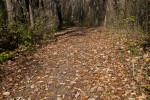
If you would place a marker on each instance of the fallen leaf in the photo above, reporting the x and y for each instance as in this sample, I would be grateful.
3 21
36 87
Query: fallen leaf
78 61
20 88
119 67
145 56
86 97
27 86
100 78
135 44
77 94
133 61
113 96
139 70
91 99
147 60
100 89
84 70
98 74
95 51
6 93
138 97
51 93
122 72
32 86
120 93
43 77
10 79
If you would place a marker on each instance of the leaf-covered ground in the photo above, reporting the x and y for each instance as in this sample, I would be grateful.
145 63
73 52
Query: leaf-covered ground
81 65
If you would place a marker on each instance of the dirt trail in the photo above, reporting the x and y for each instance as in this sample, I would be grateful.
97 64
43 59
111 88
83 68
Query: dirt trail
81 65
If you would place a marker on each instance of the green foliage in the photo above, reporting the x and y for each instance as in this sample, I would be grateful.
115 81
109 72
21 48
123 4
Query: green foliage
129 19
42 31
39 23
139 30
5 56
124 23
133 50
27 44
116 43
15 37
54 30
16 34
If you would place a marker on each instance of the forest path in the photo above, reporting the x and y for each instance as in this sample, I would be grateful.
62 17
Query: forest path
81 65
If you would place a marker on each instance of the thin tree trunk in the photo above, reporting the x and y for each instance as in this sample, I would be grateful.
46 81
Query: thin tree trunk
3 12
31 14
10 12
59 14
58 8
41 4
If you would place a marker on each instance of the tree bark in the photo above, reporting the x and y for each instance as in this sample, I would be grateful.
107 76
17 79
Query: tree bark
31 14
58 8
41 4
10 12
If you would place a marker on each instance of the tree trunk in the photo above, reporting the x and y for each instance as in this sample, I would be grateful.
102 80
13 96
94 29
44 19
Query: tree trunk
58 8
31 14
10 12
41 4
3 12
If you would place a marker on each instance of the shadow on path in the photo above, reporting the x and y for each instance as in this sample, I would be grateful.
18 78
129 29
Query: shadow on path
72 31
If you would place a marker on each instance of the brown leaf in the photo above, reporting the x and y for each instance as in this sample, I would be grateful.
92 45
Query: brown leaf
119 93
147 60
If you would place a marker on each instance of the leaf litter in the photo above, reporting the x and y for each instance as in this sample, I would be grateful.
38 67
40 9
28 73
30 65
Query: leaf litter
75 67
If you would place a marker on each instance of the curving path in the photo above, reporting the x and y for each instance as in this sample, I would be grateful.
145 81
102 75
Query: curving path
81 65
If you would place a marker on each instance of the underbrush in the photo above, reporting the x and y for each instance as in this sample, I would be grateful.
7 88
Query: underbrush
134 50
16 37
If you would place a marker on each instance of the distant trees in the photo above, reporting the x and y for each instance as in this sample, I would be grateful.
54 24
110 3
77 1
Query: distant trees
135 10
65 10
85 12
58 13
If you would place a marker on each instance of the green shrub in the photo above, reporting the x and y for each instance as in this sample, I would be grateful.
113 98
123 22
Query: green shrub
5 56
15 34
